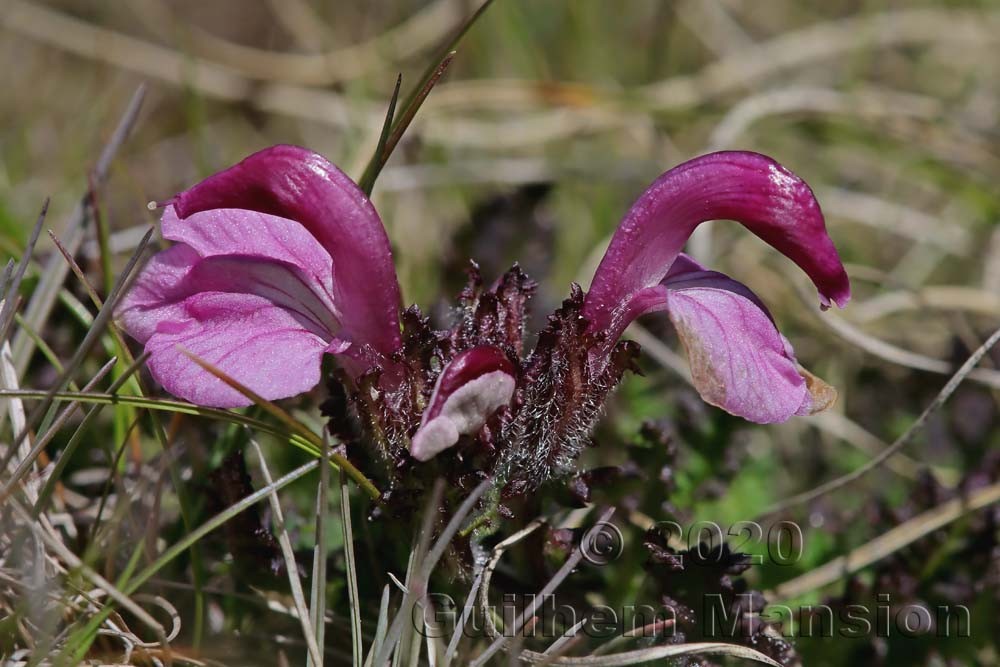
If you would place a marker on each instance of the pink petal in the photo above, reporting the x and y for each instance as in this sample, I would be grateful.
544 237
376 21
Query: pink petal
262 346
151 299
232 250
473 386
297 184
739 360
250 234
747 187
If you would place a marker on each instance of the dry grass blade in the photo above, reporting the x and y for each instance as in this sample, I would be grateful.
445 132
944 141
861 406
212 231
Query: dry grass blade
451 528
901 441
900 220
317 585
746 68
467 610
423 566
75 439
44 532
625 658
648 630
529 611
889 542
642 656
874 102
381 627
398 640
852 433
422 30
42 441
97 327
54 272
291 567
896 355
351 565
11 295
8 271
192 538
491 564
973 300
563 643
13 406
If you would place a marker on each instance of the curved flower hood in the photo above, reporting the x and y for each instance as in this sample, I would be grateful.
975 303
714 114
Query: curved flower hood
277 260
739 360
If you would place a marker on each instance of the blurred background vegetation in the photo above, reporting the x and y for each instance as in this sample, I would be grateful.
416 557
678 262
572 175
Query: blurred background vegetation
552 118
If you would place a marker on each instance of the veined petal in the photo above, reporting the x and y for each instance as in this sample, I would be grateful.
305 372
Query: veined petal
250 234
747 187
233 250
262 346
297 184
473 386
739 360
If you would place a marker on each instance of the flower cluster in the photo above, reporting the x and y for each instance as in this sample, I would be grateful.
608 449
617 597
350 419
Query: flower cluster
281 259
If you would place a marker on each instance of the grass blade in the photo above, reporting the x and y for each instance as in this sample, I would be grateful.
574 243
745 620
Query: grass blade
660 653
291 567
416 98
351 565
54 273
529 611
900 442
297 426
75 439
317 592
367 181
40 443
381 628
79 647
85 346
10 298
887 543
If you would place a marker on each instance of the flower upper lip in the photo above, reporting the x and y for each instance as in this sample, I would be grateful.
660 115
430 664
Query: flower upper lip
747 187
739 360
286 226
298 184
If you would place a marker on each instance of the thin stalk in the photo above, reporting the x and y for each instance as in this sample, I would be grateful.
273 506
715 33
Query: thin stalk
351 565
11 296
291 567
317 592
416 98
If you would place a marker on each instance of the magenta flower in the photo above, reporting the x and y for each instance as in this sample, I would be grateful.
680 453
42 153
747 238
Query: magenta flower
739 361
282 259
276 261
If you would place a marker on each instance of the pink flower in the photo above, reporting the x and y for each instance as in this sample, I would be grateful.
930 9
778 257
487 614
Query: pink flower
739 361
282 259
275 262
